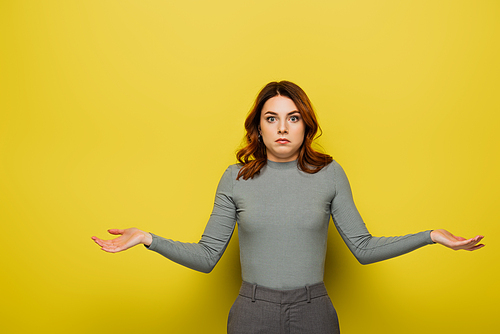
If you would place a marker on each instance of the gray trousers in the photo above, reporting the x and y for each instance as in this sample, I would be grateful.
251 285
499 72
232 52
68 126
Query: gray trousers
306 310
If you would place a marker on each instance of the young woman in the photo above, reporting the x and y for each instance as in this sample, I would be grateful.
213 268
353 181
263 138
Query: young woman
282 194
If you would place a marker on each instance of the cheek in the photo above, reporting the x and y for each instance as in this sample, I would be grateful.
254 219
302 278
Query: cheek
265 130
266 138
301 132
262 127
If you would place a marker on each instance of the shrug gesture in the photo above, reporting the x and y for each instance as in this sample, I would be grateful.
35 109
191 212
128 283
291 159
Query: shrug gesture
131 237
128 238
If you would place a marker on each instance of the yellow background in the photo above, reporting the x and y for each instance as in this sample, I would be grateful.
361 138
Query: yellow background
126 113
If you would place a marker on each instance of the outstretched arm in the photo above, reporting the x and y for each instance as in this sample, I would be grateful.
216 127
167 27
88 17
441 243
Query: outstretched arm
201 256
367 248
128 238
447 239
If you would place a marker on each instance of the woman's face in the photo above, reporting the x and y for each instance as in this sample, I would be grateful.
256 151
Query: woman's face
282 129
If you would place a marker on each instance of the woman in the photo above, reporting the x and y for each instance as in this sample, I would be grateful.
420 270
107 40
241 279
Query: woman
282 195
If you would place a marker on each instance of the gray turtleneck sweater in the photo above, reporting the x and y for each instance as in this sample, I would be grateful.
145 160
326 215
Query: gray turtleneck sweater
283 216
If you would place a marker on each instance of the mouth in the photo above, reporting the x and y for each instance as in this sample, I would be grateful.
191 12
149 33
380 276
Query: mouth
282 141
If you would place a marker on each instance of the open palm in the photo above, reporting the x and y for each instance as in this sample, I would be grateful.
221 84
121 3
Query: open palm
447 239
128 238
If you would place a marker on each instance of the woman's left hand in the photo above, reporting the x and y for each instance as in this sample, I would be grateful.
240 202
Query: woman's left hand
447 239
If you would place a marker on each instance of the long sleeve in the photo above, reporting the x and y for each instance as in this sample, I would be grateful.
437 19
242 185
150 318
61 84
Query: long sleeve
366 248
205 254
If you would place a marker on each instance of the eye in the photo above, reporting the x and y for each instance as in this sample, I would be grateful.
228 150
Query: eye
271 119
294 119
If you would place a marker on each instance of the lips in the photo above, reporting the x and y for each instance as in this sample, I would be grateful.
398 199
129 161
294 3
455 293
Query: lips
282 141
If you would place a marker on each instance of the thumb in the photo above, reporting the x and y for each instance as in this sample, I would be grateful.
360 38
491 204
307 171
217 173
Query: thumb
115 231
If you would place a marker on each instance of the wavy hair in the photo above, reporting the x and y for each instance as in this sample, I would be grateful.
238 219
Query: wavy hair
253 155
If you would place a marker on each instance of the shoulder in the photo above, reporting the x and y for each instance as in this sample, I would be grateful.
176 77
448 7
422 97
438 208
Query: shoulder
335 175
332 168
337 170
228 179
231 173
233 170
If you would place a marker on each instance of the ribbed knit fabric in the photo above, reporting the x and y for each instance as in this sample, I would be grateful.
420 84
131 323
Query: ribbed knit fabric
283 216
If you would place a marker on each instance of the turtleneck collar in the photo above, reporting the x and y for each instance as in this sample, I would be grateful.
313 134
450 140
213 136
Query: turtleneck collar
282 165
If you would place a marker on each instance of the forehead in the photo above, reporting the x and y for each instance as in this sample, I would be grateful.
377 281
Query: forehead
279 104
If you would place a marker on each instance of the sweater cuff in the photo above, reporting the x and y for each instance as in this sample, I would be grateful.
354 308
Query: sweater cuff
153 243
429 237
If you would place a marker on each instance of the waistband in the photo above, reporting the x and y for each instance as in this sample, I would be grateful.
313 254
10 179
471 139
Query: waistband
257 292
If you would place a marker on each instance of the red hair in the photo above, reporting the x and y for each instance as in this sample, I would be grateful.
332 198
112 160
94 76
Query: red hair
253 156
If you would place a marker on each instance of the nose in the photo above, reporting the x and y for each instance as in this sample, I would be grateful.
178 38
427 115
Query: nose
282 127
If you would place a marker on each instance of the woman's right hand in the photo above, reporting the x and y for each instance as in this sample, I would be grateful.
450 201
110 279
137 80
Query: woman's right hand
128 238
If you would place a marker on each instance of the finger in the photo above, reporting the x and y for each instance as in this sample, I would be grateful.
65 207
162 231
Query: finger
466 244
476 239
116 231
476 247
471 244
110 248
113 249
98 241
108 243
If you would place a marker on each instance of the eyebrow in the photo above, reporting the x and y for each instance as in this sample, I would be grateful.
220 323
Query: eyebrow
290 113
